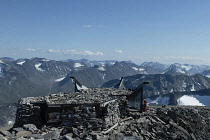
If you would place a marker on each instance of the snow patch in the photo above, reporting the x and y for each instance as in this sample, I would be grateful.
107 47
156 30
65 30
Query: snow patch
1 71
138 69
60 79
207 76
77 65
193 88
187 68
101 69
184 85
1 61
135 68
189 100
104 76
46 60
112 63
37 66
180 71
81 88
21 62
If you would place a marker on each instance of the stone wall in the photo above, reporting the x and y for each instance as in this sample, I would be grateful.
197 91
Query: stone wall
93 117
28 114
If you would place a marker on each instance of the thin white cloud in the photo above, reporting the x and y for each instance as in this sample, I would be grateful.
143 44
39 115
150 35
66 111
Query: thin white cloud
182 58
74 52
31 50
53 51
95 26
146 52
92 53
87 26
170 58
101 26
118 51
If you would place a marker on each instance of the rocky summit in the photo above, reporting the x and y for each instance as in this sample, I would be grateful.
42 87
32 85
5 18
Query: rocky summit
165 123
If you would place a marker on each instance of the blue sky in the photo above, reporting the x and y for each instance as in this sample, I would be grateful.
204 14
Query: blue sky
165 31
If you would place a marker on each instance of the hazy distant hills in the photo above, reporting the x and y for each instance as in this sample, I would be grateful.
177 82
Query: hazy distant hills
40 76
186 69
159 68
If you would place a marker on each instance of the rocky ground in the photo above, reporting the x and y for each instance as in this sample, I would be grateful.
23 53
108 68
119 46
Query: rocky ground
158 123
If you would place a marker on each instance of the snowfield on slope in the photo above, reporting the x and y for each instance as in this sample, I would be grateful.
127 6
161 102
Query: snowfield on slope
101 69
21 62
187 68
138 69
194 100
38 67
60 79
77 65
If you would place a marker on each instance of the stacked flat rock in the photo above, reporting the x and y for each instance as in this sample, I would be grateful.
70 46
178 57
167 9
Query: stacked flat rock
94 95
84 117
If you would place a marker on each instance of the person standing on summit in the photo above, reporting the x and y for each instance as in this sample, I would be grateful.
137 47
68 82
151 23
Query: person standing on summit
145 105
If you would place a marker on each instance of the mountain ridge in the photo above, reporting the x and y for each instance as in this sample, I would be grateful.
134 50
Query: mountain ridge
40 76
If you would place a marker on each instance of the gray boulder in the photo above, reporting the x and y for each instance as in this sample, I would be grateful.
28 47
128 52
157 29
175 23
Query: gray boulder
30 127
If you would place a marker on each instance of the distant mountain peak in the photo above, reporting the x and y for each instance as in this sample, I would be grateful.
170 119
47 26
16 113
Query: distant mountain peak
7 58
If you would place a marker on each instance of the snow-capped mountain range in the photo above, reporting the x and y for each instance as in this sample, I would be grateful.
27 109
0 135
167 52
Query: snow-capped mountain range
161 84
40 76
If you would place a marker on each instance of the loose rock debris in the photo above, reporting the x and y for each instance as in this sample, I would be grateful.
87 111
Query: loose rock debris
172 123
107 119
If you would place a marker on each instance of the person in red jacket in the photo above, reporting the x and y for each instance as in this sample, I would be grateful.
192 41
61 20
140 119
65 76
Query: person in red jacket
145 105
